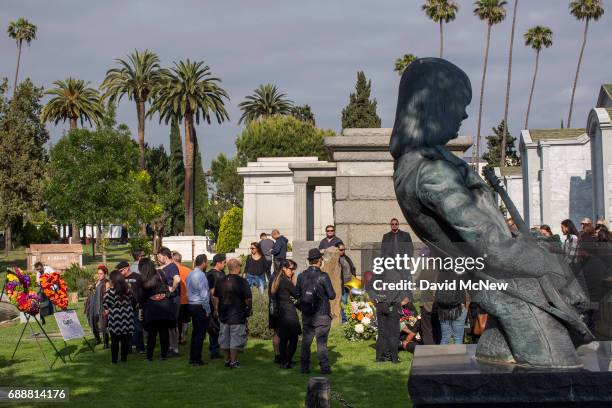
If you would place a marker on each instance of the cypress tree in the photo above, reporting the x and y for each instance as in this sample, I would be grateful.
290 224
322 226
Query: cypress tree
361 110
177 173
200 187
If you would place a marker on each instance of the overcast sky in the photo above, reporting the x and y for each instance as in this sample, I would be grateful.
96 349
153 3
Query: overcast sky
311 51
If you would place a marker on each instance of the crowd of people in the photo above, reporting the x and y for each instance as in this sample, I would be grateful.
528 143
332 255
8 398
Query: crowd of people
162 299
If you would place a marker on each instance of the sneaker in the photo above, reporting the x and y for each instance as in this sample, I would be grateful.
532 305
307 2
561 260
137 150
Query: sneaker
235 364
227 363
172 353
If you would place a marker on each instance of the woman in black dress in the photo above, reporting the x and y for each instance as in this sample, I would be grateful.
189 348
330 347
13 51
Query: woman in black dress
287 323
157 306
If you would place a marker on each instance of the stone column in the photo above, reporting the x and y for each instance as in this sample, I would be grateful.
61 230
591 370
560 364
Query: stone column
299 209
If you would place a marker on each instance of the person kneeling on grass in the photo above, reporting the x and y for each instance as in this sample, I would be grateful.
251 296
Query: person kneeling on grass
119 307
232 302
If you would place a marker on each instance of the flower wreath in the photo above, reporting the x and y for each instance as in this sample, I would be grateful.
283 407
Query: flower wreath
54 287
19 293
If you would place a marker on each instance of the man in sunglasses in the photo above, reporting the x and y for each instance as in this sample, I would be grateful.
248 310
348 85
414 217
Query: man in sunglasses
397 241
330 239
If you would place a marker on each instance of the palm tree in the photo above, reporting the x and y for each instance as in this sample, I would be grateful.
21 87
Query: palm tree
441 11
502 160
536 38
586 10
402 63
188 91
20 31
73 100
493 12
267 101
135 78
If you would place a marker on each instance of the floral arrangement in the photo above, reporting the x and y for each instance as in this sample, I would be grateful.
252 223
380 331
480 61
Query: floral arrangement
54 287
360 323
19 293
408 318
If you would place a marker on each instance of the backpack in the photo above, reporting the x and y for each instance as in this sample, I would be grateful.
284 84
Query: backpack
309 302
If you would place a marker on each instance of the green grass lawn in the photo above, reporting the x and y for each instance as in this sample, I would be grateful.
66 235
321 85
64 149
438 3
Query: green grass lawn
259 382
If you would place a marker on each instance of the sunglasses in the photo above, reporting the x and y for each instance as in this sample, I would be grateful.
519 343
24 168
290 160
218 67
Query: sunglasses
330 230
394 223
252 248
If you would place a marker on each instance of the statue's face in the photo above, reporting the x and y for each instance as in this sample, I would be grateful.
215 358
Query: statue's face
456 115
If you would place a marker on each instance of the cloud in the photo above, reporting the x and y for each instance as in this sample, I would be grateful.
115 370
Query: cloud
311 51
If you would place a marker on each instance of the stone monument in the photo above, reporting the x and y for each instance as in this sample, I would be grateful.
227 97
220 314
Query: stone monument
534 322
331 265
57 256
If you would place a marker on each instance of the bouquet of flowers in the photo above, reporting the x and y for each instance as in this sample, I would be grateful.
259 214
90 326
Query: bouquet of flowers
54 287
361 323
19 293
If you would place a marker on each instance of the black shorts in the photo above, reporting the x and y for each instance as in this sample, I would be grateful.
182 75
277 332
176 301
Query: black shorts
184 316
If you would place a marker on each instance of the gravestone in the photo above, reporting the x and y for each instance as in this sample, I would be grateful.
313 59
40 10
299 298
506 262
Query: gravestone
331 265
188 246
57 256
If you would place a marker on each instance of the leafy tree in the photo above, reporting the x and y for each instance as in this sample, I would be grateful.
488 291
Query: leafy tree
278 137
187 92
105 161
536 38
23 163
361 111
135 78
20 31
73 100
266 102
492 12
586 10
230 231
402 63
228 184
441 11
303 113
494 143
508 80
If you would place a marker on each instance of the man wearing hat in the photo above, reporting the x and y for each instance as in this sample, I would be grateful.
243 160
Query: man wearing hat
213 276
317 320
135 281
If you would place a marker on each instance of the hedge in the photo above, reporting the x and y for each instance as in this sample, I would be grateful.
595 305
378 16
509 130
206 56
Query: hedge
230 230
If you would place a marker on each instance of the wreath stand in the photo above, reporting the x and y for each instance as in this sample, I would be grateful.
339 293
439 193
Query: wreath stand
27 324
84 339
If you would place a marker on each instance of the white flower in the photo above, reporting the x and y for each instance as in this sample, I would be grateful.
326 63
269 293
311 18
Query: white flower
365 321
359 328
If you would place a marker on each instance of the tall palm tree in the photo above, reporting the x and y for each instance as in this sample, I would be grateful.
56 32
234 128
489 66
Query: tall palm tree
536 38
493 12
267 101
402 63
441 11
186 92
73 100
502 160
135 78
586 10
20 31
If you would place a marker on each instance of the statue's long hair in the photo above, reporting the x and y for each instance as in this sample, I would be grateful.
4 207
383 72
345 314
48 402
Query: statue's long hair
429 90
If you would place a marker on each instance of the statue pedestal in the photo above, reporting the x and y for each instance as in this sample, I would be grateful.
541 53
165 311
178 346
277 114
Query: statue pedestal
451 377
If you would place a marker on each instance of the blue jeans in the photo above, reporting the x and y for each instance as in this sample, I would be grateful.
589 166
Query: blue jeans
258 281
454 328
345 295
137 339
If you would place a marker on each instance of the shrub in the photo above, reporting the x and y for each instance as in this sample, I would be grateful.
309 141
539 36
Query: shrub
46 233
29 234
141 243
258 322
79 279
230 231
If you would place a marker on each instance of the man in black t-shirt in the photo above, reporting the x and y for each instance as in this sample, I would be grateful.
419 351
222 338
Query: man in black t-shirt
232 304
135 281
213 275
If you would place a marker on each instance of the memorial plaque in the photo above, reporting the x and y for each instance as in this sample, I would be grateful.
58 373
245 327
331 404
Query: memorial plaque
57 256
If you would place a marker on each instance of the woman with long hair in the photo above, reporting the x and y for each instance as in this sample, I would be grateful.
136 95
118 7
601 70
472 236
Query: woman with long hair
288 325
93 305
119 308
157 308
256 267
570 245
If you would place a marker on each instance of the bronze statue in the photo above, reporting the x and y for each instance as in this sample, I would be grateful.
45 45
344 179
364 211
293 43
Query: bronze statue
534 322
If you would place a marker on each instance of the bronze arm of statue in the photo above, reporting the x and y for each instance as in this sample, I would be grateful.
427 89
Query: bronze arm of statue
453 211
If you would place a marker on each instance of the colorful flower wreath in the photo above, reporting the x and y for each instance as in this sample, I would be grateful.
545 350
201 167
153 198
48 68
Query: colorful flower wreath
54 287
19 293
